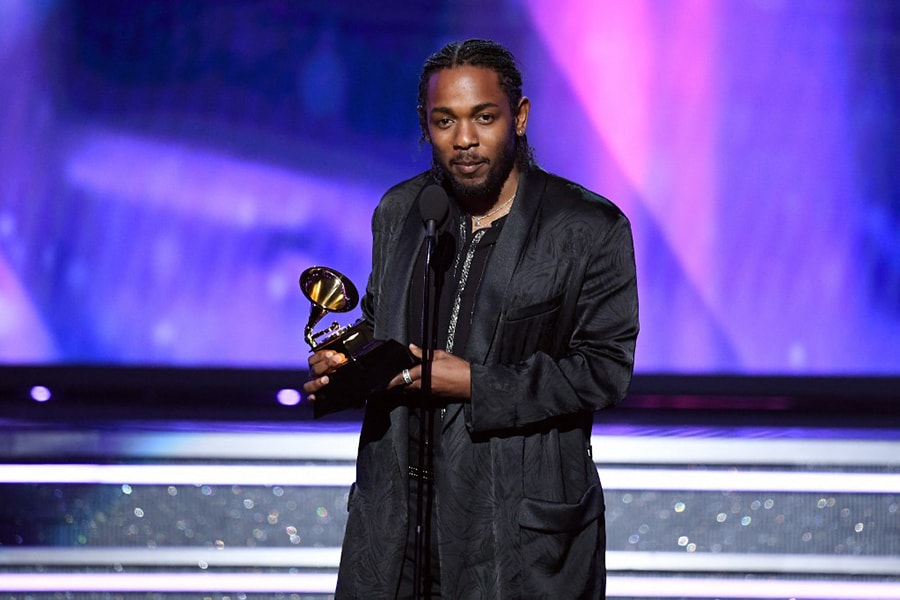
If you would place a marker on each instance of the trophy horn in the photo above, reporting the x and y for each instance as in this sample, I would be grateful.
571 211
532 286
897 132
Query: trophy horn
329 291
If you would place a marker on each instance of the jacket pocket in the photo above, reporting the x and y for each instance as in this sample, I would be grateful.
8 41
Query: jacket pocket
562 544
558 517
533 310
528 329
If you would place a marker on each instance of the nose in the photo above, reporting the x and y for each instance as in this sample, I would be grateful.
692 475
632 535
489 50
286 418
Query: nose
466 136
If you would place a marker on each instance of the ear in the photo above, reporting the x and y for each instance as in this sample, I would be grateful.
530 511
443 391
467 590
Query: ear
522 116
423 123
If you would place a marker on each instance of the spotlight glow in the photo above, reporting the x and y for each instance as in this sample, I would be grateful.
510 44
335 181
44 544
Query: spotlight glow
40 394
288 397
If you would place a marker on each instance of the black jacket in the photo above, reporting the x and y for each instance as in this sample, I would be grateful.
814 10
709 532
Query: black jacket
519 502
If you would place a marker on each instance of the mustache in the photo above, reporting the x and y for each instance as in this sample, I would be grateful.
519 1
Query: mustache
467 158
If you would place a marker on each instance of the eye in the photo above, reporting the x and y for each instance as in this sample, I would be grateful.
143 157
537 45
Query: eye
443 123
485 118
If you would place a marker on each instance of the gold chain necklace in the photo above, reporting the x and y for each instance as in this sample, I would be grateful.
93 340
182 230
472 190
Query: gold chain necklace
476 219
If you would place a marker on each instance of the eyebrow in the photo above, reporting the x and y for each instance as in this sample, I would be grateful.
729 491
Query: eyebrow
476 109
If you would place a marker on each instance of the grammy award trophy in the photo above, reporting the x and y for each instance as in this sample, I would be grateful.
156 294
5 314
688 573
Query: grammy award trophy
371 363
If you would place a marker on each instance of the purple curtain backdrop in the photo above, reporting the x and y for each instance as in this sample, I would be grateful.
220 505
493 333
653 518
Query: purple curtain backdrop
169 168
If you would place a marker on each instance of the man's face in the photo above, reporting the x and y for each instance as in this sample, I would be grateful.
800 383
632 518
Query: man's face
472 132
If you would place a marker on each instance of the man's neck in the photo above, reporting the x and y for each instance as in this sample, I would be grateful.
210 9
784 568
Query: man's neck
484 205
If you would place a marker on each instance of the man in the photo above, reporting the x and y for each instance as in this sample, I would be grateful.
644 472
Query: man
537 321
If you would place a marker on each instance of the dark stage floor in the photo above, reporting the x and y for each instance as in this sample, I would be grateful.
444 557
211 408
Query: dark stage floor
130 483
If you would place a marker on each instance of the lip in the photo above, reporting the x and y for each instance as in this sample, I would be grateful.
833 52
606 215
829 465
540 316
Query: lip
468 168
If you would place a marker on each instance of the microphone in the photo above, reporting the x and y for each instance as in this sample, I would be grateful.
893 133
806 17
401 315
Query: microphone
434 205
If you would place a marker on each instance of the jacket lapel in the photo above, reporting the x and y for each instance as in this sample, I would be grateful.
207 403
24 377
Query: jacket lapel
502 263
501 266
393 313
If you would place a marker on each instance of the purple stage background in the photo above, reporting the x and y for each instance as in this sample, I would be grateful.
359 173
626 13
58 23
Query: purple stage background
169 168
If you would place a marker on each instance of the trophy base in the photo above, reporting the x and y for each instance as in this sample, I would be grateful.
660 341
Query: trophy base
370 366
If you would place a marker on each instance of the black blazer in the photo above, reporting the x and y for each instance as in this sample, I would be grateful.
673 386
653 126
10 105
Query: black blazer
519 502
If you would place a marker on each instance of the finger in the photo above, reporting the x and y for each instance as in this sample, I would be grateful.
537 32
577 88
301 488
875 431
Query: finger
317 357
399 380
314 385
329 357
416 351
325 362
318 364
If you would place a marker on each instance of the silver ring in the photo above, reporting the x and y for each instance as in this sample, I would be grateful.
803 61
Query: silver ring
406 377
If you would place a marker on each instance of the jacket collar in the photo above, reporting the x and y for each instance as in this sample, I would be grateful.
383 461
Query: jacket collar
493 291
392 308
392 312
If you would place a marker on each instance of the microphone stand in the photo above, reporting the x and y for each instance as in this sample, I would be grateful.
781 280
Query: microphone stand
425 482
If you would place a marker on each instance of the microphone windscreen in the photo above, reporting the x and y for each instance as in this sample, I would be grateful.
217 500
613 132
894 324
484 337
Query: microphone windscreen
433 204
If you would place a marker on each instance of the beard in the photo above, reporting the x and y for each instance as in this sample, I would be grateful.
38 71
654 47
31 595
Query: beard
482 195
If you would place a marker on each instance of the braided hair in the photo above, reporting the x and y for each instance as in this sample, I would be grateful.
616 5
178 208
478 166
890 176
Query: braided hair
479 53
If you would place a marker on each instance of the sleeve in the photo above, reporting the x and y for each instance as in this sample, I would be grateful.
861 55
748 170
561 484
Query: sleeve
595 367
369 302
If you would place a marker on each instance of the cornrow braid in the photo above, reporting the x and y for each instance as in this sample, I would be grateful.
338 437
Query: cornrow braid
479 53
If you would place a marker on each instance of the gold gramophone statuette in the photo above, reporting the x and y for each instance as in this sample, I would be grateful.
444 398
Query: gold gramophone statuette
370 363
328 291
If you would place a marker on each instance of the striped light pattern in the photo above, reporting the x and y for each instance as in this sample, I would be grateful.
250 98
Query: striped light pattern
324 583
749 142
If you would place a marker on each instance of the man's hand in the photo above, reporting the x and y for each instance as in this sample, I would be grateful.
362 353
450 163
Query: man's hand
321 363
450 375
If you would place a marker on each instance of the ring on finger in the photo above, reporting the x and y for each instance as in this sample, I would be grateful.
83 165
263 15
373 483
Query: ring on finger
406 377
